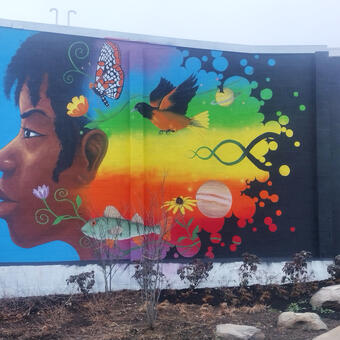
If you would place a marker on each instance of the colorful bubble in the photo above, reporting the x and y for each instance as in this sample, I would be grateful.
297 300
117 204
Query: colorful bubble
302 108
268 220
283 129
185 53
256 56
267 79
274 198
268 164
220 64
249 70
254 84
261 204
273 145
233 247
297 143
264 194
193 64
222 244
215 238
205 58
236 239
216 54
242 223
250 220
272 228
292 229
289 133
278 113
243 62
266 94
295 93
269 183
278 212
283 120
271 62
254 229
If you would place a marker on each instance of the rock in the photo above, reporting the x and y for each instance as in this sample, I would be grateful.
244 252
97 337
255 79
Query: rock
306 321
327 297
331 335
238 332
337 260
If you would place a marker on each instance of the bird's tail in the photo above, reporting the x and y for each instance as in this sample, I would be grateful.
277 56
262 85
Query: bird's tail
200 120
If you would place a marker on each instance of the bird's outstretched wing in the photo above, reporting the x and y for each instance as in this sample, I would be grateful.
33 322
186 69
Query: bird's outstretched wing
162 89
178 99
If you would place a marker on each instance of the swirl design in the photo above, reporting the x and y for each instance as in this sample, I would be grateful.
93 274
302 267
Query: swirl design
41 216
78 50
246 151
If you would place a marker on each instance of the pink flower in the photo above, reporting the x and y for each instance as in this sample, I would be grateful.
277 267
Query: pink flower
41 192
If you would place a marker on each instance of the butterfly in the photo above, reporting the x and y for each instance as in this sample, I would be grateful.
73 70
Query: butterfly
109 77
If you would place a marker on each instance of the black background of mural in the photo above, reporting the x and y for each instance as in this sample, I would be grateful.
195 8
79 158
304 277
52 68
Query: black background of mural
298 191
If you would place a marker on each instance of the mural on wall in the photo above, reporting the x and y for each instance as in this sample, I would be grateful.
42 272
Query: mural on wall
121 140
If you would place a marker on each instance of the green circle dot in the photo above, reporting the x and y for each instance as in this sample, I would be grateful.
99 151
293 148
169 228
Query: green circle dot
278 113
302 107
295 93
254 84
284 120
266 94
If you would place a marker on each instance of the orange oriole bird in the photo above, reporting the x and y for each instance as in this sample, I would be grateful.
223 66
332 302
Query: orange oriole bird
169 104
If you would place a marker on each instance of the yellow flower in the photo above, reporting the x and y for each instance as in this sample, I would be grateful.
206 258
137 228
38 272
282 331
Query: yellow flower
78 107
180 203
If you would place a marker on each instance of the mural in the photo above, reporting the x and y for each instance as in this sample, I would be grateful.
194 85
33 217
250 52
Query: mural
121 141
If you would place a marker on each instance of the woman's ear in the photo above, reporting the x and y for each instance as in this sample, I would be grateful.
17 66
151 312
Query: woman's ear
94 144
89 155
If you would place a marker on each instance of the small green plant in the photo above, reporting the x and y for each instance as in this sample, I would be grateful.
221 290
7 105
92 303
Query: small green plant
296 271
84 281
297 307
323 311
195 272
248 268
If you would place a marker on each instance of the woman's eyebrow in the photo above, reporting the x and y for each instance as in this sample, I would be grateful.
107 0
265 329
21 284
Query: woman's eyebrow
30 112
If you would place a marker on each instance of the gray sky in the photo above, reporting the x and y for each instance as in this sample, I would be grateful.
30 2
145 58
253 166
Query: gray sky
252 22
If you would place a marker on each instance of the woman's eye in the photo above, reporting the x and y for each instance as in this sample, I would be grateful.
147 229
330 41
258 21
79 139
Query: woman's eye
30 133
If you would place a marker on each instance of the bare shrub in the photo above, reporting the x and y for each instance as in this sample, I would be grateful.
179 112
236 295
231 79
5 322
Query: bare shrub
83 281
296 271
195 272
248 268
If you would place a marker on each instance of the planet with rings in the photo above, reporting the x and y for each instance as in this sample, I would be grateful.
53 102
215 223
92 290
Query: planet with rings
224 98
214 199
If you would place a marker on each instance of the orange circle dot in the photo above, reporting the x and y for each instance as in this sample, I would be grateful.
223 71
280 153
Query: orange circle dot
274 198
272 228
264 194
255 199
278 212
292 229
261 204
254 229
270 183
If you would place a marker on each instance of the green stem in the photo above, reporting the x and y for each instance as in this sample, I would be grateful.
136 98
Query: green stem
48 208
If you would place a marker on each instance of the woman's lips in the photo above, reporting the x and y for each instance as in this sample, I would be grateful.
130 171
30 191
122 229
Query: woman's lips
7 205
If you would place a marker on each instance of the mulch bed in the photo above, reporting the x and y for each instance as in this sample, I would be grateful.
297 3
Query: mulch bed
182 314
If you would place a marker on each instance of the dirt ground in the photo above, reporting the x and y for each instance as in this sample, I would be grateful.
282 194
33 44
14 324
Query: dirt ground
181 314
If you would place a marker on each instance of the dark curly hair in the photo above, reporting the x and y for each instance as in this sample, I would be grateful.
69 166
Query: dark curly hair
47 54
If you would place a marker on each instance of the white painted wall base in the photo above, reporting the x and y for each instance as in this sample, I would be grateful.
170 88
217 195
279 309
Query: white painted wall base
19 281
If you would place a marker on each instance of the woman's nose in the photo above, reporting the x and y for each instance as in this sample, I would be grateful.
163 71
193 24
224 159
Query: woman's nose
7 163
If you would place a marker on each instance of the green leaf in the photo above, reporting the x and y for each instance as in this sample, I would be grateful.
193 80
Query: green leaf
178 222
78 201
195 232
181 238
190 221
58 219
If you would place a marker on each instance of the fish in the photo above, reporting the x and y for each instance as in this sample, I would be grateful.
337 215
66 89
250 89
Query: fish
113 227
